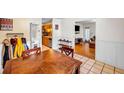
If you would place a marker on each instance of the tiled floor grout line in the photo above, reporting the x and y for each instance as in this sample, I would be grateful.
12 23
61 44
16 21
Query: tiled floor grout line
86 68
102 69
83 57
85 62
91 67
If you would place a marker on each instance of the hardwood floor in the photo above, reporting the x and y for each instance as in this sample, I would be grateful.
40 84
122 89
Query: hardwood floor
83 49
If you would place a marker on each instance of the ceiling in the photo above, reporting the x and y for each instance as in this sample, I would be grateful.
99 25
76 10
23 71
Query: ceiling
46 20
86 21
77 20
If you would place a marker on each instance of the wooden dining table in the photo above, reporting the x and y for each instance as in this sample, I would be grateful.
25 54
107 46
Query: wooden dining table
47 62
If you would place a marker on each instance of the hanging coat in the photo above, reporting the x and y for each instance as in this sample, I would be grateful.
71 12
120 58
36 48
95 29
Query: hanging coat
6 52
25 43
13 42
9 51
19 48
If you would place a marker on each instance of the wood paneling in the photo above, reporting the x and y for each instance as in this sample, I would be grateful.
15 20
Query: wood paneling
111 53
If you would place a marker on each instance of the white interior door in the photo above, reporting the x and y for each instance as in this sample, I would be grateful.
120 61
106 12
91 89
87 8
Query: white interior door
35 35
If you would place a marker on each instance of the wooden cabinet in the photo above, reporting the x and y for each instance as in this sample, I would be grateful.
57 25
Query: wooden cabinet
47 41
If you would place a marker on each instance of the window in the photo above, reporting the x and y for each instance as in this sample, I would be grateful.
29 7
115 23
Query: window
87 34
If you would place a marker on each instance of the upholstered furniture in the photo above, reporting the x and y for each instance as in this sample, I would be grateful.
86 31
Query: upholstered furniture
92 44
78 40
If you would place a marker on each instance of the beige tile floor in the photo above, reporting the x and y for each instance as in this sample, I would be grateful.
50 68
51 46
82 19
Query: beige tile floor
91 66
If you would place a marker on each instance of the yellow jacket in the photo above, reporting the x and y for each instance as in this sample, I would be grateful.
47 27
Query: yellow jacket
19 48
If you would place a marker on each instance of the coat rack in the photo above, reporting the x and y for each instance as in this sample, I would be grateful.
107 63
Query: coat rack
10 35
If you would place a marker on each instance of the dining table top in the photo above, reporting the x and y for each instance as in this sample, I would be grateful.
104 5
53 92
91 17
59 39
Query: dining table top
47 62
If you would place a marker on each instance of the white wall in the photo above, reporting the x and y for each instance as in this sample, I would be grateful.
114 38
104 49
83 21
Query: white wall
92 27
56 34
65 31
111 29
68 29
110 41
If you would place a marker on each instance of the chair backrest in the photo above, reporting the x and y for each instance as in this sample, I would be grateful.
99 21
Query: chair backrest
29 52
67 51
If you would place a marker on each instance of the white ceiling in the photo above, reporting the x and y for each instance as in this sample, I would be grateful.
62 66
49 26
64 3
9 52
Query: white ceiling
46 20
77 20
86 20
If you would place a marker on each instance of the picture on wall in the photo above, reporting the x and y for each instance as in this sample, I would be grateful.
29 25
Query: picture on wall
56 26
6 24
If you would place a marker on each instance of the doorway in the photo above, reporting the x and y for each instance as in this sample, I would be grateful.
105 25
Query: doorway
47 32
35 35
85 39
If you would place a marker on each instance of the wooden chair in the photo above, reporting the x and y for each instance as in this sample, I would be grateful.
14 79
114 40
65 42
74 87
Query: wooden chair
27 53
67 51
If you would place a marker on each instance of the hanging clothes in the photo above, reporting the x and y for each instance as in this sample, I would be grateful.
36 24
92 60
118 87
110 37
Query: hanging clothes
6 51
24 40
6 55
25 43
13 42
19 48
25 46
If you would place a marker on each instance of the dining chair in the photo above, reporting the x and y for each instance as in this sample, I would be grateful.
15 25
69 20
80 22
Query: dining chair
67 51
27 53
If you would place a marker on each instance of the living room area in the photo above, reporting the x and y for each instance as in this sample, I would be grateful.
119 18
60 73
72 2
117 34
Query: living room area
85 38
